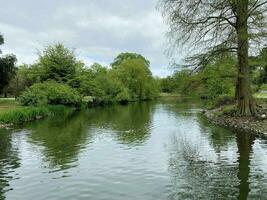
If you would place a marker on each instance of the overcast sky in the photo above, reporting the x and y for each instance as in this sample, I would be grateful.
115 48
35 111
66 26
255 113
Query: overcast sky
97 29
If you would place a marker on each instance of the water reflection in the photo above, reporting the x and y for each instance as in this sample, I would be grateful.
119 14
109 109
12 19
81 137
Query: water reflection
244 143
61 139
219 169
150 150
9 161
219 137
197 173
131 123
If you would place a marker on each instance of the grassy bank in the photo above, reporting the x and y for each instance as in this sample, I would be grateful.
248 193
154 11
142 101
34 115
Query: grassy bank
20 115
169 95
8 104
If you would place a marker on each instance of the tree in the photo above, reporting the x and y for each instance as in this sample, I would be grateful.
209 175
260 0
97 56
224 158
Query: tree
26 76
7 69
135 75
219 26
58 63
128 56
168 84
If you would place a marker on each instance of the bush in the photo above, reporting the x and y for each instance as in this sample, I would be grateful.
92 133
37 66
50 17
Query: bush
50 93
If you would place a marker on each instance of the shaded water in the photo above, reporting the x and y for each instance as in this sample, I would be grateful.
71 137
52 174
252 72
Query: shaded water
153 150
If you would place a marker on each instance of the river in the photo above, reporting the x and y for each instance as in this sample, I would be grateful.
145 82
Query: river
163 150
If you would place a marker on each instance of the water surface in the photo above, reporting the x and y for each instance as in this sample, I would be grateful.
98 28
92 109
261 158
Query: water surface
152 150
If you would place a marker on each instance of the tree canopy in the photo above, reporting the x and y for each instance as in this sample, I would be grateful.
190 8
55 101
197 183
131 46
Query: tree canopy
128 56
58 63
129 79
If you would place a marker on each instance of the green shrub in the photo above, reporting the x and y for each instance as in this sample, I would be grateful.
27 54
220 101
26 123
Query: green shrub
50 93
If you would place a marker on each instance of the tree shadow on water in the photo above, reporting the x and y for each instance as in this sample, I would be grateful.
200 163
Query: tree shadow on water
9 161
130 123
199 174
61 139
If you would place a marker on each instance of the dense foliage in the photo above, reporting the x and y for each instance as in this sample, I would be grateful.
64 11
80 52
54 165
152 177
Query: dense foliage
211 82
135 75
58 77
57 63
128 56
259 66
130 80
50 93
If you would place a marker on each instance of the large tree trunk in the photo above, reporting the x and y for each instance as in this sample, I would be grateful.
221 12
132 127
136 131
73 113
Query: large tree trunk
245 101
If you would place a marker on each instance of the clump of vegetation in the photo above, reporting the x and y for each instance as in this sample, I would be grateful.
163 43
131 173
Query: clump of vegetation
57 78
50 93
129 79
211 82
26 114
136 78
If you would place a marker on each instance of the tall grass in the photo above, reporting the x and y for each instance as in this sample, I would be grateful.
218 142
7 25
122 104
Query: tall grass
26 114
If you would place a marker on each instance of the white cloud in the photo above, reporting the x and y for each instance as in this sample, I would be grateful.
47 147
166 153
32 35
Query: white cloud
97 29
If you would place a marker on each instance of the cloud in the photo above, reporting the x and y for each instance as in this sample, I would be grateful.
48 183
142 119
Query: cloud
97 29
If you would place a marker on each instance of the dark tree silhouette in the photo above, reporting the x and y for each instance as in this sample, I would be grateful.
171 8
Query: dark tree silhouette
7 69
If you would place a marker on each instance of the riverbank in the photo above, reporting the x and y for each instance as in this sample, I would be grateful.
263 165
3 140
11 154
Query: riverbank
12 113
20 115
255 125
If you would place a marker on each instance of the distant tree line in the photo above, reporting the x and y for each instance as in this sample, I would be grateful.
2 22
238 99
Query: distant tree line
57 69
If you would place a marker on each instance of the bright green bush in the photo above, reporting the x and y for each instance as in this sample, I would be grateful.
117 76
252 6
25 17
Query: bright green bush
50 93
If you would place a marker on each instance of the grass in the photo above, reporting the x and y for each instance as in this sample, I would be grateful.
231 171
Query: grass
261 95
13 113
8 104
169 95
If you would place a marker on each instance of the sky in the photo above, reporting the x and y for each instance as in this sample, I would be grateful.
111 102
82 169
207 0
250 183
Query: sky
98 30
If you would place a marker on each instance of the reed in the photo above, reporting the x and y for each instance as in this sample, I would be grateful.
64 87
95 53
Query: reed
25 114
